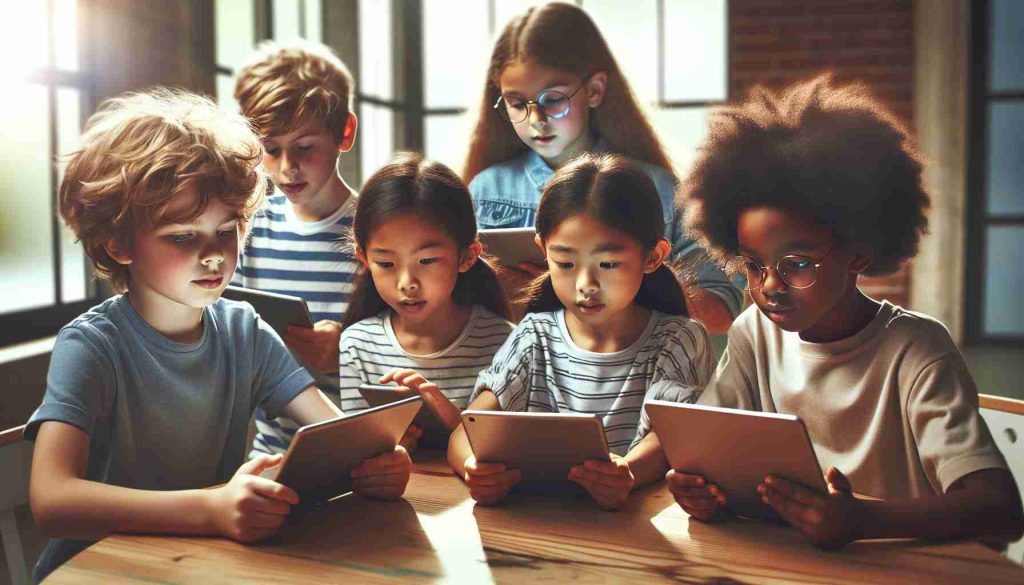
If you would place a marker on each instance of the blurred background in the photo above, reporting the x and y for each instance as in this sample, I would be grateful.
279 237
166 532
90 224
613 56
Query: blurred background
950 69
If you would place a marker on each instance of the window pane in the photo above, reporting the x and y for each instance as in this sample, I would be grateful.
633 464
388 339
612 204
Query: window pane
682 130
454 65
236 26
376 138
631 30
286 20
695 49
66 33
73 264
26 39
447 139
314 14
226 92
1004 277
1005 145
375 49
1007 45
26 250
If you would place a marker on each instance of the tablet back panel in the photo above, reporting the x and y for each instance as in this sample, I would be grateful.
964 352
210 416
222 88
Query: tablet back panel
426 420
279 311
321 456
542 446
736 449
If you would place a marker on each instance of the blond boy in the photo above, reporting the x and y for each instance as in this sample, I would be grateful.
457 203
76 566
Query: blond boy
299 98
149 394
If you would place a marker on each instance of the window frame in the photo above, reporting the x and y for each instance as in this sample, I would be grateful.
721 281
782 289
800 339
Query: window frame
978 219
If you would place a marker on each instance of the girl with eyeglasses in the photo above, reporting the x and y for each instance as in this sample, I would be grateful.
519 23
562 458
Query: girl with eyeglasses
554 91
803 192
604 328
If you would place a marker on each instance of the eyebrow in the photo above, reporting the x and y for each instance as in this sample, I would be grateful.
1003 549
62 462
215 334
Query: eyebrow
603 248
516 94
182 224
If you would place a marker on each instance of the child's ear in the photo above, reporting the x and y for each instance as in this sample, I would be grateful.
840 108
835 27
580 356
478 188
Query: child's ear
470 255
540 244
596 86
361 257
657 256
118 252
348 136
860 263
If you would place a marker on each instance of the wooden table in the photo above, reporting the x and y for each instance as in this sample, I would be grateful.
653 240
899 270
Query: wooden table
436 533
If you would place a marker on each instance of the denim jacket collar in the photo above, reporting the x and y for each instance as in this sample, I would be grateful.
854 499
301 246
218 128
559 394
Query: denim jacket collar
539 172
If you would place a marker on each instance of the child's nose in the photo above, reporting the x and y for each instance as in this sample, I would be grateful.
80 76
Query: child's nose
213 253
773 282
288 164
537 116
587 283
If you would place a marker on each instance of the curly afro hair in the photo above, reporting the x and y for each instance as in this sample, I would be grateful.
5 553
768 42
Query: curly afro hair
831 153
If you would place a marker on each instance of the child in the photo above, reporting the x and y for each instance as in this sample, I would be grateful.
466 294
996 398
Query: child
427 304
299 98
149 394
554 91
606 325
803 192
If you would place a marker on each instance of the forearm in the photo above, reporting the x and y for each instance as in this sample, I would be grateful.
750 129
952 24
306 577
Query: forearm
458 450
647 460
709 309
83 509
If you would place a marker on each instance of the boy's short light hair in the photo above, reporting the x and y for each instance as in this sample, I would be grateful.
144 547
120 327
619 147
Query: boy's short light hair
287 85
138 151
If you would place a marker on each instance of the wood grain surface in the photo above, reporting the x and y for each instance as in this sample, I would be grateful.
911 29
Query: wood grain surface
437 534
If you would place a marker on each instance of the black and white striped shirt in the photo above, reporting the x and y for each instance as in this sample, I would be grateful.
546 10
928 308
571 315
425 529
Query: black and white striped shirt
369 349
541 369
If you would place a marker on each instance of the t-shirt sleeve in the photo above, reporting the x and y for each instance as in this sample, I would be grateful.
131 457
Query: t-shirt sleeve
508 375
278 377
952 439
734 382
350 375
684 367
80 384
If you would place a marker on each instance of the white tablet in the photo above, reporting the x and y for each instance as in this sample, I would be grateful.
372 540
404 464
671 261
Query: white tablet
512 246
279 311
322 455
426 420
736 449
542 446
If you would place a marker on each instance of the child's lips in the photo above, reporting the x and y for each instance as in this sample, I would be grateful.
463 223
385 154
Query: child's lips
412 305
590 308
293 188
544 139
209 282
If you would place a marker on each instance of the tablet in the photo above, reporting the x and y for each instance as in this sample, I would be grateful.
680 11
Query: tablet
736 449
512 246
322 455
279 311
543 446
426 420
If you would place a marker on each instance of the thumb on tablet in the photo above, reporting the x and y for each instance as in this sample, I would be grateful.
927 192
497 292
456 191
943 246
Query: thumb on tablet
257 465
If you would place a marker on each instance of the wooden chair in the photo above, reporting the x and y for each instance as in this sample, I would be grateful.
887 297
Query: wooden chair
16 462
1005 419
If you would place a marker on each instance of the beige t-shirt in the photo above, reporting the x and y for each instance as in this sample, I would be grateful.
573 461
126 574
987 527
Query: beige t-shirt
893 407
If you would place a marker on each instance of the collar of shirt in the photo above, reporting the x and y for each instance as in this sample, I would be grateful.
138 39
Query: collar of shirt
538 171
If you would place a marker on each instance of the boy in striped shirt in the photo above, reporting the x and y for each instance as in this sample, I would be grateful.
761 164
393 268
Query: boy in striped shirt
299 98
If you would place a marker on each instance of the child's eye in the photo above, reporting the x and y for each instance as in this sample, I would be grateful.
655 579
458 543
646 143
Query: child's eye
428 261
273 152
563 265
796 263
225 233
304 147
179 238
384 264
515 105
610 265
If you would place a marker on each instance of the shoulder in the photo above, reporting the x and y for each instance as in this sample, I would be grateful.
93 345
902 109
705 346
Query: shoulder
368 328
238 318
485 320
683 329
921 337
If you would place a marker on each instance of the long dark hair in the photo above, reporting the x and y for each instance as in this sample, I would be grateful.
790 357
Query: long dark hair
561 36
432 191
619 194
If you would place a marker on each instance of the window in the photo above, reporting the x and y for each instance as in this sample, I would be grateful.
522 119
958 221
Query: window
47 279
995 247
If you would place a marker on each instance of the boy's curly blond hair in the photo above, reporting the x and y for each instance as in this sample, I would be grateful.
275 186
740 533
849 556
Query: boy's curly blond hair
287 85
138 151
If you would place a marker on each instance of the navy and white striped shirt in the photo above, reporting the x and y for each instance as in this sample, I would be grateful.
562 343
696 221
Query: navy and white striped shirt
311 260
541 369
370 349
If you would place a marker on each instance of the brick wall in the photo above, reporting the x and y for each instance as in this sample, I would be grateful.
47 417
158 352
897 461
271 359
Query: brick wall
778 42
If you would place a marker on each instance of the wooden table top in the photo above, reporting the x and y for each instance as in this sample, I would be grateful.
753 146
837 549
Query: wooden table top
436 533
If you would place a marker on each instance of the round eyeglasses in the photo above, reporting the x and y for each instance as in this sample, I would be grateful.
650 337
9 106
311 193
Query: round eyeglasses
795 270
551 104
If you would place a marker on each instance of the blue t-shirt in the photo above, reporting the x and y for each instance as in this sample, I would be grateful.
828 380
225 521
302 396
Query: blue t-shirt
506 195
163 415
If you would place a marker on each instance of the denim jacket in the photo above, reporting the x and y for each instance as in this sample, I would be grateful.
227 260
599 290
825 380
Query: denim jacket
506 195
